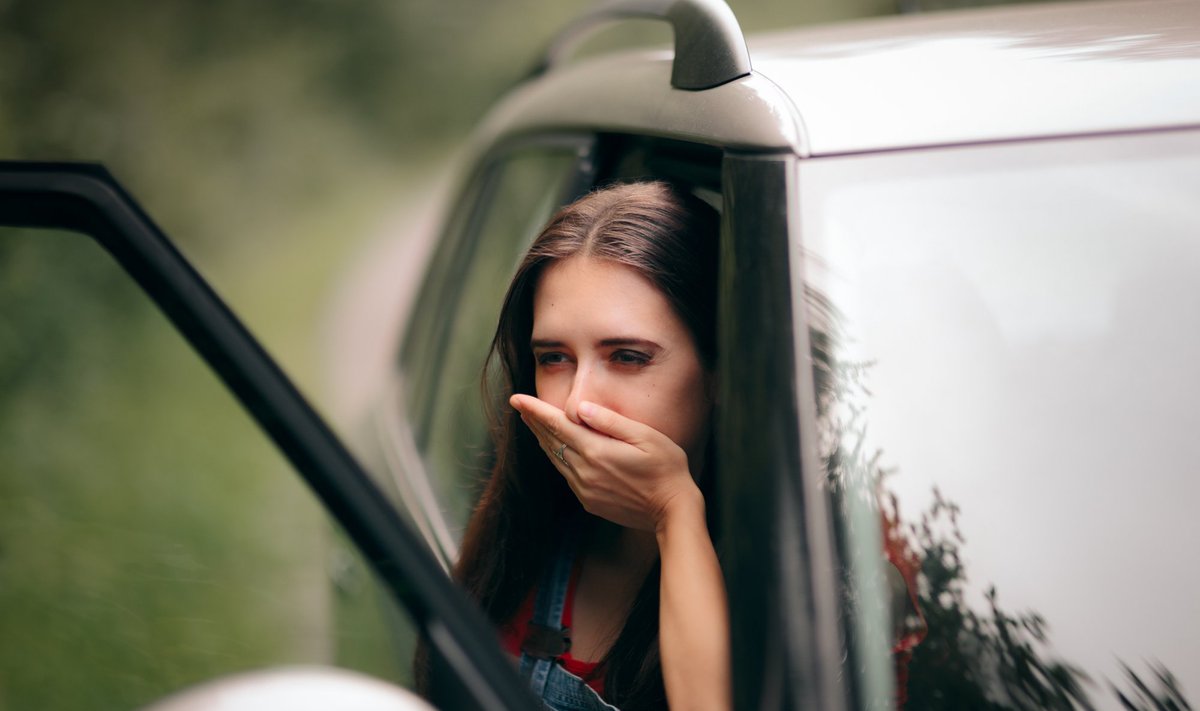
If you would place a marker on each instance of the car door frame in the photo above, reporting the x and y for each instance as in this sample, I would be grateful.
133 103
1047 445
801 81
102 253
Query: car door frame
779 553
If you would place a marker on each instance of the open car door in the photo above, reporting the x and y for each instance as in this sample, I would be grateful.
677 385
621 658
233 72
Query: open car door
85 198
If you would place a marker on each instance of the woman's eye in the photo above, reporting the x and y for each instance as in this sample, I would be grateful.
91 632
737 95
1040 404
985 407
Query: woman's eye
624 357
551 358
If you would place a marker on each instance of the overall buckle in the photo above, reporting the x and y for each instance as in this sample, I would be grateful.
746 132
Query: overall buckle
543 642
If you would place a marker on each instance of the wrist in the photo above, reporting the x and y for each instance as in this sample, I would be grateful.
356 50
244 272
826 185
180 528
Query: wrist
684 510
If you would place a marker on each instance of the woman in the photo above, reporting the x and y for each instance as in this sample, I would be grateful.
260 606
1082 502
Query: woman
590 547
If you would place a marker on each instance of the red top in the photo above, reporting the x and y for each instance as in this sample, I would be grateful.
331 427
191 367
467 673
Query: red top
513 633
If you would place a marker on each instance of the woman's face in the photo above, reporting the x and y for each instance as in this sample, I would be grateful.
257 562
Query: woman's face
602 333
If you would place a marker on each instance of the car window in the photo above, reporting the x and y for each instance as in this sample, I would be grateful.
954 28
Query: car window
150 536
1005 356
512 198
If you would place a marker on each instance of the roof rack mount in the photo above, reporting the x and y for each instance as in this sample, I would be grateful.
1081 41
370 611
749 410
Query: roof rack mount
710 49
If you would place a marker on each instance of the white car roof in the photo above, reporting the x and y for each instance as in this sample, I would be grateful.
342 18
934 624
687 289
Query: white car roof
899 82
999 74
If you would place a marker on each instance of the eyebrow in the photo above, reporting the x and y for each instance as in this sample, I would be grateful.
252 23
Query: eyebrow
604 343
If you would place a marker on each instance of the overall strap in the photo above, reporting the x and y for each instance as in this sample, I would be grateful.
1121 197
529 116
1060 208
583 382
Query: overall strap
547 639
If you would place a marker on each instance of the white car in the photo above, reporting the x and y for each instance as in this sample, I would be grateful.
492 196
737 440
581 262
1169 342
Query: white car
960 273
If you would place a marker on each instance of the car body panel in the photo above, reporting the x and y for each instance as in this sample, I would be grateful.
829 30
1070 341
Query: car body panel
989 75
631 92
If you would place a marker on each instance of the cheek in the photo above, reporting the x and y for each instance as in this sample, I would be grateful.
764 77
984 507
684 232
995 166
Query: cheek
630 398
691 423
677 407
551 387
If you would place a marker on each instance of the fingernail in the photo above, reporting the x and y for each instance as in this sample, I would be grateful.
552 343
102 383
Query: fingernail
587 409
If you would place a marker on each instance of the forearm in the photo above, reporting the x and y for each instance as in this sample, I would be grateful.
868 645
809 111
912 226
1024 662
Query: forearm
693 614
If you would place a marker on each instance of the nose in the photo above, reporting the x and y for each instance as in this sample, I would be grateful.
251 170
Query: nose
581 387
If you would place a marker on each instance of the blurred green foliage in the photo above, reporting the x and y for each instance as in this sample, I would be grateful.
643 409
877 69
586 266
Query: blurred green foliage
148 538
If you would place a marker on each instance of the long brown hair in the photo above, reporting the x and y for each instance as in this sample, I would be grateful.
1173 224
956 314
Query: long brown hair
670 238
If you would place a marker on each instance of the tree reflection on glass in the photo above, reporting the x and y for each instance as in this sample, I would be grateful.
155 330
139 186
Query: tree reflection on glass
909 578
1168 697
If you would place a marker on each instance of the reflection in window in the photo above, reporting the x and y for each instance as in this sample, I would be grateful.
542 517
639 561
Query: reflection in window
1004 351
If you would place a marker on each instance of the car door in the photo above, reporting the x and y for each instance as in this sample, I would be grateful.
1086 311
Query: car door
214 613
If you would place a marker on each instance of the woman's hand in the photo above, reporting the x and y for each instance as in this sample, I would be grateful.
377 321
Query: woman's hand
635 476
620 470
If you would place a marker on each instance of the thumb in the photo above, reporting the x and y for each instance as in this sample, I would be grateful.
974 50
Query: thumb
617 426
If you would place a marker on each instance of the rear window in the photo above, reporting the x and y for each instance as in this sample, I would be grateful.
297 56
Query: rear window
1006 353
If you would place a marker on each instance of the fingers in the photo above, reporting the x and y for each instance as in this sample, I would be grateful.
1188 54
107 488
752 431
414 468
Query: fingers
614 425
618 468
553 420
597 420
548 424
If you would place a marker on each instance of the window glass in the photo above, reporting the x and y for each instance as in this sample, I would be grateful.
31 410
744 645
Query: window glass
1005 355
150 536
517 197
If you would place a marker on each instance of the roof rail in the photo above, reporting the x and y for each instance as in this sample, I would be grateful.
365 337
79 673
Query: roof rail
709 47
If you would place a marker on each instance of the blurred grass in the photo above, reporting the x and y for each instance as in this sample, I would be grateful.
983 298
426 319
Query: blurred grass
149 540
149 537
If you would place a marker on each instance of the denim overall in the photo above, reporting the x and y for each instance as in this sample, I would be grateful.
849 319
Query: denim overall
559 689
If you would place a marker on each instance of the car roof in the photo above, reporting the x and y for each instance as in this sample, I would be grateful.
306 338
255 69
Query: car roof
987 75
899 82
